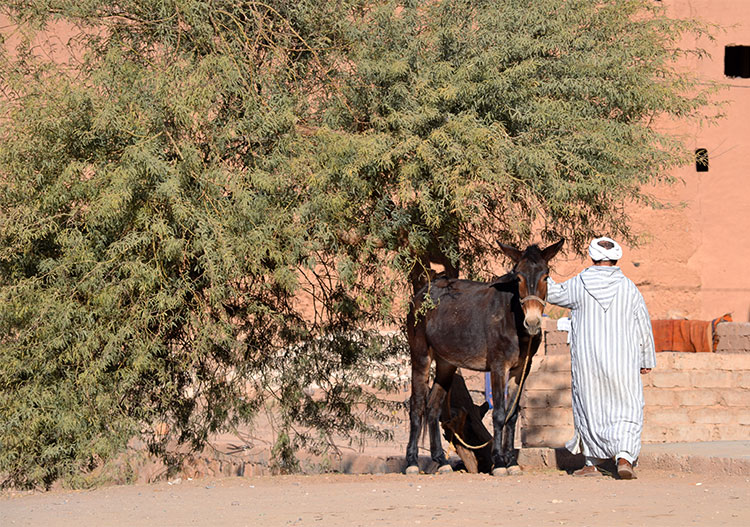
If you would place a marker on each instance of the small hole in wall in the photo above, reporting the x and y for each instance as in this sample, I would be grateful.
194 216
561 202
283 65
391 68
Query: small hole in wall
701 160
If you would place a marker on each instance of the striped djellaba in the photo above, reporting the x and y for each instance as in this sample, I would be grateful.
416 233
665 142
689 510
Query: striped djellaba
611 340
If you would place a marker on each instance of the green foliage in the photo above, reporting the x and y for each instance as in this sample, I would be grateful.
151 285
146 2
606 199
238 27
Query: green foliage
152 248
471 122
211 207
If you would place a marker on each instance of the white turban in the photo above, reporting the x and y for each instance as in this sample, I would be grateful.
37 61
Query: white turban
598 253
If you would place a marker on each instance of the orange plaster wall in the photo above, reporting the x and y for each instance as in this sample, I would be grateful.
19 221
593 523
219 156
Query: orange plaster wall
54 43
694 257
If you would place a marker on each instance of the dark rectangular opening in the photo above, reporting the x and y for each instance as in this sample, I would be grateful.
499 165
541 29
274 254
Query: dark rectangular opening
737 61
701 160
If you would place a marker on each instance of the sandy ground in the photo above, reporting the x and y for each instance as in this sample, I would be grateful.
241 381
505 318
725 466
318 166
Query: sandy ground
538 498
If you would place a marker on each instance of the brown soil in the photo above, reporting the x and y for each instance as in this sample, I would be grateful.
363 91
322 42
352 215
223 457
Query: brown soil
538 498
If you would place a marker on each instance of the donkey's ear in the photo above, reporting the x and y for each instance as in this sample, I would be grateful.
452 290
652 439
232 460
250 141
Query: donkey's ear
552 250
504 280
511 252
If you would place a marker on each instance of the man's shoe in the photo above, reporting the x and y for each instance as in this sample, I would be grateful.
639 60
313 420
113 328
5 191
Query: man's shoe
625 469
587 471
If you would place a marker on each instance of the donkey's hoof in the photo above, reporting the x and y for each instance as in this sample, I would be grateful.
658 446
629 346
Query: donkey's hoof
500 471
515 470
411 470
445 469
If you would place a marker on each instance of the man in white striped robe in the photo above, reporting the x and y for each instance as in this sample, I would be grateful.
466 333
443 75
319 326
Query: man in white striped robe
611 342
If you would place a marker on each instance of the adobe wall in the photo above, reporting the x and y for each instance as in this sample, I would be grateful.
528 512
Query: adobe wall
689 396
692 253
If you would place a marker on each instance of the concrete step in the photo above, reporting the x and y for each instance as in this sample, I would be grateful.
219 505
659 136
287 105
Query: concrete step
656 433
550 380
713 457
733 338
679 397
534 435
665 361
669 360
545 436
546 399
551 363
555 417
696 379
711 415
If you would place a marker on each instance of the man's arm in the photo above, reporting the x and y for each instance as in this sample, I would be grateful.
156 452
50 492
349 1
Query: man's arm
645 335
559 294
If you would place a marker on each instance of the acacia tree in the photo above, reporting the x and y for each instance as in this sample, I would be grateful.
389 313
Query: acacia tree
152 243
468 122
176 195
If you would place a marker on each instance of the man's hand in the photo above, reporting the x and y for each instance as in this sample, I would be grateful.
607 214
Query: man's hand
645 370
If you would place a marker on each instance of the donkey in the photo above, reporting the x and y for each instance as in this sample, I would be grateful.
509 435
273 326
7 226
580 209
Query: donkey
480 326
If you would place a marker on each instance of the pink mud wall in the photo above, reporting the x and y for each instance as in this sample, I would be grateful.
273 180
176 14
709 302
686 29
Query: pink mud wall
693 259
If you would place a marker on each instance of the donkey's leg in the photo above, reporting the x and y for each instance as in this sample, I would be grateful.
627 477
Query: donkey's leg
497 379
420 370
443 379
508 453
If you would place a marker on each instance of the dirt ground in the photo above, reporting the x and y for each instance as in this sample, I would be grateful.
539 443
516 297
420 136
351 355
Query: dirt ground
538 498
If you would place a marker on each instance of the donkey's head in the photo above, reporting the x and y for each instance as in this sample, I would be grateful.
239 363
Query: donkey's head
531 268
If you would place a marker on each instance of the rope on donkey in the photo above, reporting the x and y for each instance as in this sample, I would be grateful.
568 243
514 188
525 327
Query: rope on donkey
467 445
520 384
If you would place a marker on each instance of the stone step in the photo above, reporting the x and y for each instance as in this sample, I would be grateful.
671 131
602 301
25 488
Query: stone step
546 399
655 433
555 417
665 361
551 363
545 436
670 360
678 397
539 426
696 379
536 435
673 399
554 380
733 338
699 415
